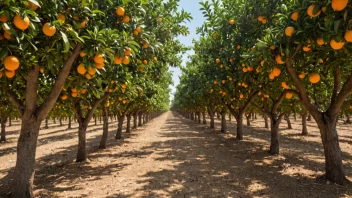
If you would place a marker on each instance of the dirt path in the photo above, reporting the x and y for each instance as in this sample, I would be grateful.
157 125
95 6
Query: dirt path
174 157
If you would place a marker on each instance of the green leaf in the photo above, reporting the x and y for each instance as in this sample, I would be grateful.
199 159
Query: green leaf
66 42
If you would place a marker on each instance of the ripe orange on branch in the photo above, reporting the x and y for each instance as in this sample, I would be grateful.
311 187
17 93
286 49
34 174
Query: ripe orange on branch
310 11
49 30
339 5
289 31
120 11
20 23
11 63
314 78
336 45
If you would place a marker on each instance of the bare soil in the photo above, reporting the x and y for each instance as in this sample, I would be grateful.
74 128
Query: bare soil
174 157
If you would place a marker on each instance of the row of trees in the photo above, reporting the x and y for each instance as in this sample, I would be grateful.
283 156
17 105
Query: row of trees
273 57
83 59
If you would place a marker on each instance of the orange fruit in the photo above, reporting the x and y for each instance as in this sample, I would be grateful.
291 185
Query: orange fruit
272 47
99 58
10 74
294 16
279 60
348 36
92 71
74 94
320 41
118 60
264 21
241 96
127 51
49 30
314 78
126 60
238 47
73 90
83 91
88 76
260 18
81 69
306 49
20 23
3 18
145 45
215 36
215 82
232 22
289 95
302 75
32 6
61 17
83 24
271 76
120 11
64 97
339 5
323 9
217 60
145 62
276 71
155 59
11 63
310 11
125 19
41 69
135 32
160 20
82 54
223 81
245 70
139 29
285 85
336 45
262 62
289 31
99 65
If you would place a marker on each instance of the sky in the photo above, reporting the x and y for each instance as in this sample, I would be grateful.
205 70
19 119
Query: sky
190 6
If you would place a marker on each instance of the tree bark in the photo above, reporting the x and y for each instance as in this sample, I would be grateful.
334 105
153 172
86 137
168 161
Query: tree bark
3 129
104 137
289 126
304 124
128 127
60 121
140 114
46 124
135 124
95 121
22 185
239 130
212 122
82 147
223 122
204 119
266 121
229 116
10 121
69 123
333 159
119 127
248 120
199 119
274 142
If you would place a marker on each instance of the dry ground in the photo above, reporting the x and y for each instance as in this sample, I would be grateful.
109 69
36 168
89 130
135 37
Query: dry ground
175 157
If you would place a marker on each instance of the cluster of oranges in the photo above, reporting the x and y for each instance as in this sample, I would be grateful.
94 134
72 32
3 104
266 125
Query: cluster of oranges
120 11
11 64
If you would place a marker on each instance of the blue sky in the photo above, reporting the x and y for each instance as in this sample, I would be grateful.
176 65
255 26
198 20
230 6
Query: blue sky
191 6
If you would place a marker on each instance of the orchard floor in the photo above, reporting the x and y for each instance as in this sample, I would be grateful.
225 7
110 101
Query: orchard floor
174 157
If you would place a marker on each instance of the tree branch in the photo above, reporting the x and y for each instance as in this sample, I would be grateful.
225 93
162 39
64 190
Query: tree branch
277 102
345 92
14 99
59 83
94 107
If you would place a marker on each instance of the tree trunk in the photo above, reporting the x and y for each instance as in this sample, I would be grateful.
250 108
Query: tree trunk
104 138
199 119
10 121
140 119
333 159
239 130
119 127
274 141
248 120
304 124
229 116
54 121
128 127
60 121
223 122
309 117
82 145
212 122
69 123
22 184
95 121
204 120
135 124
46 123
218 115
289 126
3 129
266 121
